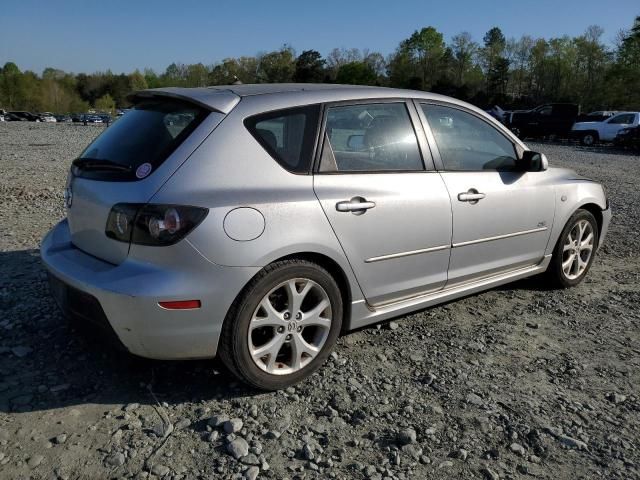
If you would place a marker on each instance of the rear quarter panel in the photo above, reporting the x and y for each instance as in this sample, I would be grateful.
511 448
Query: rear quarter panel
231 170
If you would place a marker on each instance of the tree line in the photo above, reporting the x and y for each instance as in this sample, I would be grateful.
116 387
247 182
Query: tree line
511 72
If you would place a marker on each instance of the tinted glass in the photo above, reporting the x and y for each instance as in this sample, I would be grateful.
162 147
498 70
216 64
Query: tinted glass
371 137
148 133
625 118
467 143
288 135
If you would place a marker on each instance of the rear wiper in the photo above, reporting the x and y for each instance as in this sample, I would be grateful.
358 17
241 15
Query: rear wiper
100 164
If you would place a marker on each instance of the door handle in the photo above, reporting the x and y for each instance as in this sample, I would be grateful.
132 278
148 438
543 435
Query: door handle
357 205
472 196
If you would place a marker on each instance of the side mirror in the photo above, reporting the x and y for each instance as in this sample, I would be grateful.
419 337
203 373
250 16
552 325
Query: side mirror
533 161
355 142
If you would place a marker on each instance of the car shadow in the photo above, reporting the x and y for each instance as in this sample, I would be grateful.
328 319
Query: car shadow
46 363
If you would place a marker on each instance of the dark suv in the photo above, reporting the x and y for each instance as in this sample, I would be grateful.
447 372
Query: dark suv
549 119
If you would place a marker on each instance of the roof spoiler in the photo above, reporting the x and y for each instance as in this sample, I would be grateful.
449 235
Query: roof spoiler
222 101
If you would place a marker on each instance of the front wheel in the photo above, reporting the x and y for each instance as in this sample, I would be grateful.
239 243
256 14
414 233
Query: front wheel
575 250
589 139
283 325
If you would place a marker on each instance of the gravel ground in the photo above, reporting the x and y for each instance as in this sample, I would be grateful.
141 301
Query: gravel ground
519 381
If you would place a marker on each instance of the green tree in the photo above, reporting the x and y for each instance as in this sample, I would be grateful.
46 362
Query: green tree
137 81
463 52
277 67
356 73
425 49
495 64
309 67
106 104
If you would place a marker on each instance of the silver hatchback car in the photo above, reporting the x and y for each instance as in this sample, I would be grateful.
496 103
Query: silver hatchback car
258 222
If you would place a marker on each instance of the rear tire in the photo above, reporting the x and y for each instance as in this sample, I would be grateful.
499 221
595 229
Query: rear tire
283 325
576 248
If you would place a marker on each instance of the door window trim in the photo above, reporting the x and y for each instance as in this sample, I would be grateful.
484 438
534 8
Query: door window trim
426 154
518 146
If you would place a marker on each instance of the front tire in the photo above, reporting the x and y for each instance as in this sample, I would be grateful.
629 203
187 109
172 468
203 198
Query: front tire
575 250
283 325
589 139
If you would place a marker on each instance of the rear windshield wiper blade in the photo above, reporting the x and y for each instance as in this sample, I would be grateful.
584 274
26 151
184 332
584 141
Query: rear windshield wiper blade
100 164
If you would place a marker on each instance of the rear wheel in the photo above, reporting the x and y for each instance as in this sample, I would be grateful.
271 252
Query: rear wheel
283 326
589 139
575 250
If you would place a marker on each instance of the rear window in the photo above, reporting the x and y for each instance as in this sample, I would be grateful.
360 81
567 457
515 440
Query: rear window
139 141
287 135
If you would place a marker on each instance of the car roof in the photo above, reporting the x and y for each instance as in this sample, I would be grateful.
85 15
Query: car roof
224 98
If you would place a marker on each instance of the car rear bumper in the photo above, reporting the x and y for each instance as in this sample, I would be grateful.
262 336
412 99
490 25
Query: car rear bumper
122 300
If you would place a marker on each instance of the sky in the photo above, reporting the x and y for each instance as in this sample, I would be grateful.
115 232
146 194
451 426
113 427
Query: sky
90 35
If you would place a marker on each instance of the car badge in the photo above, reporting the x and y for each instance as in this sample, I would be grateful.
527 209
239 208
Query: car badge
143 170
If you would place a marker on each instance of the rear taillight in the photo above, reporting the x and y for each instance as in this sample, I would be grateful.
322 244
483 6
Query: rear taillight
154 225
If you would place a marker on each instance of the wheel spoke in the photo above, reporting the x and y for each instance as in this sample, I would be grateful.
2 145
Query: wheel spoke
296 298
273 318
313 316
587 241
300 347
582 226
566 265
575 265
271 348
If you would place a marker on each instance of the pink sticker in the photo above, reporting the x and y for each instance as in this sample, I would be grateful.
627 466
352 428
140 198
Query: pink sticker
143 170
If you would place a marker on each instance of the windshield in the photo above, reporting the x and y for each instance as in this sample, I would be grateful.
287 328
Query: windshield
139 141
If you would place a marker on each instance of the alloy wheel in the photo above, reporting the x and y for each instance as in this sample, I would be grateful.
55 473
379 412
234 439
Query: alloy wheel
290 326
577 249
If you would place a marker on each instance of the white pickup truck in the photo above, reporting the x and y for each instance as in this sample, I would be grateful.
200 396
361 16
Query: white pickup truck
590 133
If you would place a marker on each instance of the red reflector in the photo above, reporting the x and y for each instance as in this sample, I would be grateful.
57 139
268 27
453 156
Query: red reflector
180 305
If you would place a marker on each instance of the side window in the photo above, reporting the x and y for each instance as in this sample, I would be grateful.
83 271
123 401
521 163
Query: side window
288 135
546 110
467 143
625 118
368 138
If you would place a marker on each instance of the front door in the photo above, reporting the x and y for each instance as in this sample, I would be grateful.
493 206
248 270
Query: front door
617 123
391 215
502 217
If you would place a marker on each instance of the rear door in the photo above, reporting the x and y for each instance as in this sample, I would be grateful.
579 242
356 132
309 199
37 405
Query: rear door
391 215
501 217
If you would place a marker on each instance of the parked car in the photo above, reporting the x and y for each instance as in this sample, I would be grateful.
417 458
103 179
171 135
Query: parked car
63 118
12 117
597 116
590 133
24 116
628 138
47 117
551 119
497 113
261 237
